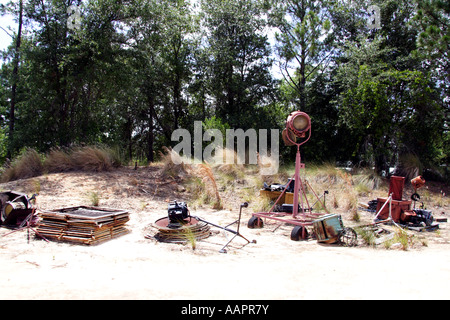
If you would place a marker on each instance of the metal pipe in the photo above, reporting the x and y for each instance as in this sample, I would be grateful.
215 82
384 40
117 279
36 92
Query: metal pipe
382 207
236 233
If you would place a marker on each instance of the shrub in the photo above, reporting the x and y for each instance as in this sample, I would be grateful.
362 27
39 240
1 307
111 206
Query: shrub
92 159
27 165
58 161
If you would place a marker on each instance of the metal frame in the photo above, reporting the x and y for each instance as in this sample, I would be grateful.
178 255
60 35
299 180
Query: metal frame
298 219
235 232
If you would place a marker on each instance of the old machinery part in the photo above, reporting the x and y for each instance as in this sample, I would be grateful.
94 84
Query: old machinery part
235 232
297 125
178 212
15 207
189 229
296 133
348 237
180 227
418 182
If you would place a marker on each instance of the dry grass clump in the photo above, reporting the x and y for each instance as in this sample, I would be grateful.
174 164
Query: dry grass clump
58 160
27 165
344 187
268 166
409 166
365 181
211 191
173 164
199 177
225 162
93 159
30 163
89 158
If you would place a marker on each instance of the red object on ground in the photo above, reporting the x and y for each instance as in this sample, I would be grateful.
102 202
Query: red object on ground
397 208
396 187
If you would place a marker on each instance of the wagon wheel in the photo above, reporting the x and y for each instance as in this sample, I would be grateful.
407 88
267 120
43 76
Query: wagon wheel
348 237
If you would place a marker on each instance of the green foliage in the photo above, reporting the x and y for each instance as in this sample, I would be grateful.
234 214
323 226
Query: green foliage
3 144
238 51
216 123
301 28
433 19
137 70
388 99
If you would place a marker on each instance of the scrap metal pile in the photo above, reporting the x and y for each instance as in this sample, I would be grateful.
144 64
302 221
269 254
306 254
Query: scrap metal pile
401 211
84 225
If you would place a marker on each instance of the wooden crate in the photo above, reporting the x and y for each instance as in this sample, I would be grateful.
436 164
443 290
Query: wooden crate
287 197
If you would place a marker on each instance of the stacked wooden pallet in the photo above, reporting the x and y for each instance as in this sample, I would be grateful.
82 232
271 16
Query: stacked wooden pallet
85 225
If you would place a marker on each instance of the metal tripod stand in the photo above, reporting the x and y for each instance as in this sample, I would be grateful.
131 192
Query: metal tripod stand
235 232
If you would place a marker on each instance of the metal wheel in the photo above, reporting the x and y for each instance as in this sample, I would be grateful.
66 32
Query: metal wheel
299 232
255 223
348 237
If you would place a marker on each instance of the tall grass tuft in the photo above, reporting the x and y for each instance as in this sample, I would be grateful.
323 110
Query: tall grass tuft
27 165
211 191
92 159
58 160
94 198
170 168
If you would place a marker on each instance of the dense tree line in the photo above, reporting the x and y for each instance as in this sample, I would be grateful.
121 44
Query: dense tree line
128 73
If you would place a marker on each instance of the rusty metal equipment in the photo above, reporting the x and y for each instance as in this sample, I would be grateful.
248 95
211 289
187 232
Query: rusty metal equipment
16 207
296 133
180 226
330 229
235 232
417 183
394 205
399 211
83 225
273 191
17 212
189 228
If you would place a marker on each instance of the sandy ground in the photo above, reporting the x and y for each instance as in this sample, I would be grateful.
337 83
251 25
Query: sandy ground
133 267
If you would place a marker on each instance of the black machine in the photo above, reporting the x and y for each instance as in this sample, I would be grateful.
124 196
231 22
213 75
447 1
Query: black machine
422 216
178 212
280 187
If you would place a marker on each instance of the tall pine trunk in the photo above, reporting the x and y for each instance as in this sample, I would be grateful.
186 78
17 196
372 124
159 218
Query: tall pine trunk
15 80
